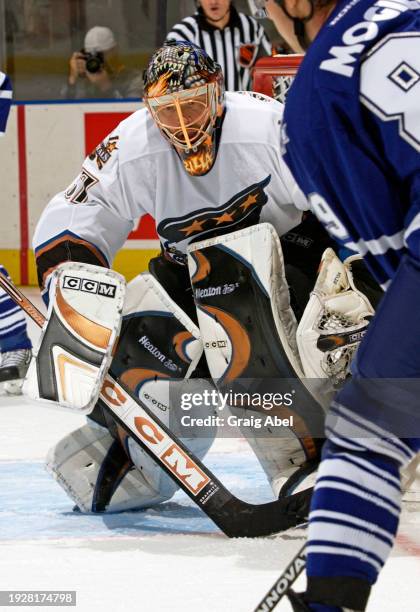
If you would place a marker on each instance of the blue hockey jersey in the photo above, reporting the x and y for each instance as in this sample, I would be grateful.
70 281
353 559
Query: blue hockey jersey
351 133
5 100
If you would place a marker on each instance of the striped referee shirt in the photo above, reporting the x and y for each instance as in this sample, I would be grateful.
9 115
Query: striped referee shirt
235 48
5 100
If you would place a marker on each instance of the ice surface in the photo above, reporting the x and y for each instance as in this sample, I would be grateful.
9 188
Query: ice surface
171 558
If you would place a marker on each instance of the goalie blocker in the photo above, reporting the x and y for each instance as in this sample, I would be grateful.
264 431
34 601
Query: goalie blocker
77 340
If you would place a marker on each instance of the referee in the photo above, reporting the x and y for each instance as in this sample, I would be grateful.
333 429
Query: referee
232 39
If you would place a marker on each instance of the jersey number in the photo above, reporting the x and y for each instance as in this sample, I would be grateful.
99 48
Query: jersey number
390 83
77 193
327 216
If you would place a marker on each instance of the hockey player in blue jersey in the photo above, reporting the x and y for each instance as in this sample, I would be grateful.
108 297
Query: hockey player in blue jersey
5 100
351 137
15 345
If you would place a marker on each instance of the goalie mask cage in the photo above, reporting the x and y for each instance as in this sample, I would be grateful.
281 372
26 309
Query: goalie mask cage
274 75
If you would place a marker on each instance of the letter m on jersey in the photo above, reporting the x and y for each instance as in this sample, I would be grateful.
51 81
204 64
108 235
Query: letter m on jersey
343 57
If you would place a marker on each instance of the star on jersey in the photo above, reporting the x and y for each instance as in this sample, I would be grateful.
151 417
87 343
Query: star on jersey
211 221
252 199
225 218
196 226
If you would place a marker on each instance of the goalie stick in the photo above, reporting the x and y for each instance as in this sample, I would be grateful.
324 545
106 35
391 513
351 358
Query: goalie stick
283 584
235 517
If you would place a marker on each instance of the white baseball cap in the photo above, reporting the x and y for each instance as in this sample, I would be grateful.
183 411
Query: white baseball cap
99 38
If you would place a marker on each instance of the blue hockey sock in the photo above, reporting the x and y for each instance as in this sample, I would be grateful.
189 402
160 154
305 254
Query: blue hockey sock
15 342
13 334
355 508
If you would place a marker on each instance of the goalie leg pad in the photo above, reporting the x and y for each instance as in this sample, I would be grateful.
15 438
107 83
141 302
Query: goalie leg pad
243 305
248 330
158 342
281 456
96 472
159 349
77 341
192 437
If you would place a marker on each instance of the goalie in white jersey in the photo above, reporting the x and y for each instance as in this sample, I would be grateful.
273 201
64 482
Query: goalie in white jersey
212 167
202 163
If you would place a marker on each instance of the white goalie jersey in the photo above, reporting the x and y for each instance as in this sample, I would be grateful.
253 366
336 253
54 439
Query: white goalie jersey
135 171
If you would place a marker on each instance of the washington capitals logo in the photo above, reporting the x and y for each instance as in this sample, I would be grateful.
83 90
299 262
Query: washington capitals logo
209 222
103 151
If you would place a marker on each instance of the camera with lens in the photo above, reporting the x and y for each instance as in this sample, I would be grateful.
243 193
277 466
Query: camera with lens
94 61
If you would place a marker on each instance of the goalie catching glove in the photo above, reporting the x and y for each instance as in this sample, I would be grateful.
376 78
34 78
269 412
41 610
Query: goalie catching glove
76 344
334 322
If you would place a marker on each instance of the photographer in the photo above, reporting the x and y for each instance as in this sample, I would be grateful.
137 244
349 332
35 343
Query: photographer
96 71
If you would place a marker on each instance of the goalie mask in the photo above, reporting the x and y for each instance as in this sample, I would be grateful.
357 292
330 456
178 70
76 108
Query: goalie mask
184 92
